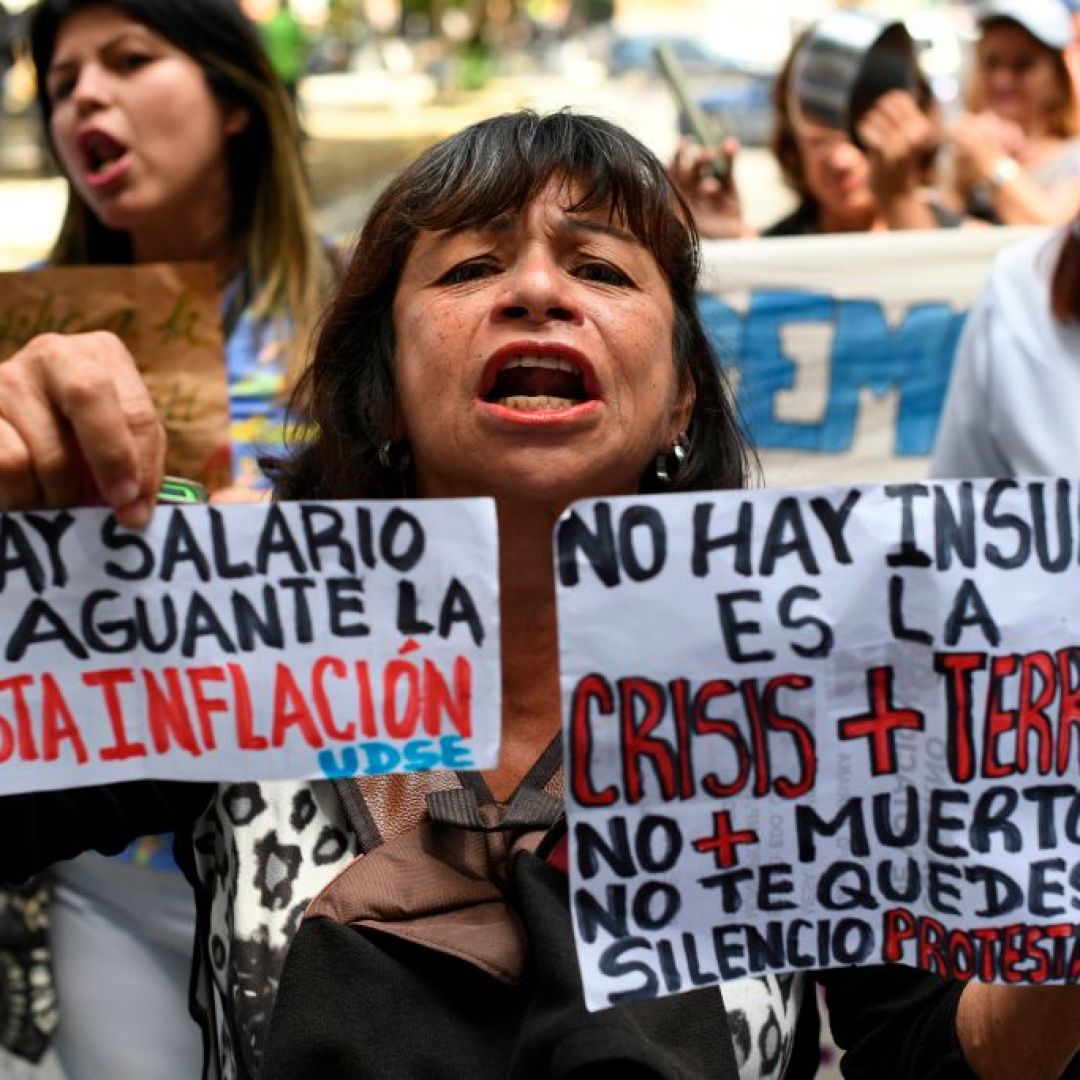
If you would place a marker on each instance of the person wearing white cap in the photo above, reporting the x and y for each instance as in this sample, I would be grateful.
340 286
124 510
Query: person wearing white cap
1017 151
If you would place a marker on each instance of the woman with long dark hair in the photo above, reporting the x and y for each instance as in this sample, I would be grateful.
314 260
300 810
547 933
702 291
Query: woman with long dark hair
178 144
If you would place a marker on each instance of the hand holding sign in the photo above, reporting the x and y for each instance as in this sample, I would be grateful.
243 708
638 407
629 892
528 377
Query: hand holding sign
297 639
167 317
1051 1011
84 386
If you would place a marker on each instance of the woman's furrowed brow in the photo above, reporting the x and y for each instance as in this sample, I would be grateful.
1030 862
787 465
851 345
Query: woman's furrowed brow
573 224
499 226
567 225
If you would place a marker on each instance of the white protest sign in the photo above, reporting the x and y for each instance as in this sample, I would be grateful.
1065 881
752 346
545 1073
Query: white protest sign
823 727
248 642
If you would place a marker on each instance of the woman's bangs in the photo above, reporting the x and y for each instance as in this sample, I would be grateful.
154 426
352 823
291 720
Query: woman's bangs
498 169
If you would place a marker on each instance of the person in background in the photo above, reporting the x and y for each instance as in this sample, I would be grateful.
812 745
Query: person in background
1011 404
177 143
840 187
287 46
1016 151
433 376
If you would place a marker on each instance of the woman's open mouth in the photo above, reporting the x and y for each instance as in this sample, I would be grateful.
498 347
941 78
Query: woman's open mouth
543 378
105 158
538 382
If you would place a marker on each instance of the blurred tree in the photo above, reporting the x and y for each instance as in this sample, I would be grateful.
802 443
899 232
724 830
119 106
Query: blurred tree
591 12
432 10
342 17
483 14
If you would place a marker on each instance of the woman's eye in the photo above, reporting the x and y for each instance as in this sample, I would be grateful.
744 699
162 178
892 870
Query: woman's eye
60 90
472 270
603 274
133 61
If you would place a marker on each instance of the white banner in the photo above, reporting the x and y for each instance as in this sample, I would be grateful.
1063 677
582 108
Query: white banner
248 642
820 728
842 345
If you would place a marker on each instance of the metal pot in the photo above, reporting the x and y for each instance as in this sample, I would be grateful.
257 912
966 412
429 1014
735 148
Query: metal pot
846 62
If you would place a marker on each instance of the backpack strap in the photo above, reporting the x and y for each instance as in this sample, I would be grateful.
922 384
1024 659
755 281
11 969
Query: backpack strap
381 807
350 793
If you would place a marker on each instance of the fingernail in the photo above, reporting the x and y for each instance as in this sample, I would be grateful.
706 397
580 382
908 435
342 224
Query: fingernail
123 493
137 514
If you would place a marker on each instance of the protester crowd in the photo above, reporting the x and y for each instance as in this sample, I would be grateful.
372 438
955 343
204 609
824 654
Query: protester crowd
1011 157
180 143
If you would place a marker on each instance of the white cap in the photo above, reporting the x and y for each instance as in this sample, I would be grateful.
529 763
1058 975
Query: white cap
1045 20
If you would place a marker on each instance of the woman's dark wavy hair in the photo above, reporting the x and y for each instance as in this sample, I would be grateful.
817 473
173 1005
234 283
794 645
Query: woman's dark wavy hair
489 170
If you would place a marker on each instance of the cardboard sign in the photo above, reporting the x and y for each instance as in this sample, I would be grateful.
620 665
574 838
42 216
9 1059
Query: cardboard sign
248 642
168 315
841 345
820 728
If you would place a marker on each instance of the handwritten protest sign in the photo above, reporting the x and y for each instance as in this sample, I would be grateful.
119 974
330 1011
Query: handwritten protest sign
168 316
842 345
248 642
826 727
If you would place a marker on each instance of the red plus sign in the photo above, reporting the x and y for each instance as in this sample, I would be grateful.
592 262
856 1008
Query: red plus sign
724 841
881 722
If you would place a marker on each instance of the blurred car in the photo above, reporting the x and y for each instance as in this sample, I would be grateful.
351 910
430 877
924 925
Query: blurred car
733 92
698 60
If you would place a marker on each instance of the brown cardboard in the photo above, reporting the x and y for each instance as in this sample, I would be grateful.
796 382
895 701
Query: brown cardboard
168 315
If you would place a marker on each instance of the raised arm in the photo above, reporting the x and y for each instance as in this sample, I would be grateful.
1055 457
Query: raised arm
76 420
714 202
987 156
899 139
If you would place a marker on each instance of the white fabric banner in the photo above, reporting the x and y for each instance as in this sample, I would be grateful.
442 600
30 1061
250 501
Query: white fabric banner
842 345
248 642
823 727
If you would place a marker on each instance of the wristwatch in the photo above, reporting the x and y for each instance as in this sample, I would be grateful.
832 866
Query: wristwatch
1004 171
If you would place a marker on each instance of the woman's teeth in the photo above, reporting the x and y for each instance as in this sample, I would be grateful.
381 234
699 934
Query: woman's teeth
535 404
534 383
552 363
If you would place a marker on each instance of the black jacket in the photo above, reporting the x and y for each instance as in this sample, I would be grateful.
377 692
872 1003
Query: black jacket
891 1021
